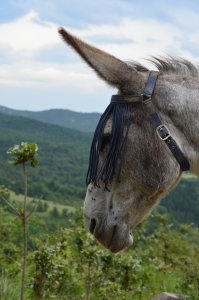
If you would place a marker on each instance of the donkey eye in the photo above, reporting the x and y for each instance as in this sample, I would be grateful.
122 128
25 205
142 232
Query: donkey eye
105 140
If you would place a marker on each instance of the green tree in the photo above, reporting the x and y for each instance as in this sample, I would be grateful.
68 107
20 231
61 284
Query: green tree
55 213
21 155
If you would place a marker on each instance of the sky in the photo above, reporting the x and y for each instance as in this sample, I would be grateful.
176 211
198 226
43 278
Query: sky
38 71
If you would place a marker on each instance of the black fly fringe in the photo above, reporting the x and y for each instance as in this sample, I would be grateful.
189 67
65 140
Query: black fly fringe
120 112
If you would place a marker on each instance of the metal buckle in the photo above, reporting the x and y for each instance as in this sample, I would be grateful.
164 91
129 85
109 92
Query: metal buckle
145 98
163 132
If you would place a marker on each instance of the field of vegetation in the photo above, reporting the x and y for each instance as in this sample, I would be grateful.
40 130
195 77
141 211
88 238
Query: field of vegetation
63 260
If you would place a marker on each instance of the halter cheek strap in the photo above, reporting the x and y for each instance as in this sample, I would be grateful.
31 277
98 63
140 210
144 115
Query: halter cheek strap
161 129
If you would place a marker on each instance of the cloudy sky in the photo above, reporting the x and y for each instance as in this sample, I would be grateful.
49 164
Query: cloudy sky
38 71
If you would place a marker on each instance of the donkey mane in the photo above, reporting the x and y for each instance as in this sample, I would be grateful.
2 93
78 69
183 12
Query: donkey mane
179 66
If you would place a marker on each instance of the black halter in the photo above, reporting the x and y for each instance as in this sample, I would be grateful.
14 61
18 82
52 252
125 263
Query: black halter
161 129
121 111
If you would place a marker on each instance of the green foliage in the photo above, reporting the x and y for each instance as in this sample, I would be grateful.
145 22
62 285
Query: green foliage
8 289
41 222
42 206
63 159
55 212
69 264
3 191
10 240
183 201
23 153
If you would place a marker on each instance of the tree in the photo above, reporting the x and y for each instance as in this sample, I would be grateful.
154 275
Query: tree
23 154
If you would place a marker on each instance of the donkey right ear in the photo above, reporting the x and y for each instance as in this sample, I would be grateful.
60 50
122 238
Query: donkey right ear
108 67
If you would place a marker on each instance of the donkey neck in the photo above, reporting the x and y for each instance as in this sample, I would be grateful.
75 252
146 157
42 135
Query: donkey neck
180 107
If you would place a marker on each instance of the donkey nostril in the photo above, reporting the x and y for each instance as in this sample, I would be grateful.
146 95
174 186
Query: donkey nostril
92 225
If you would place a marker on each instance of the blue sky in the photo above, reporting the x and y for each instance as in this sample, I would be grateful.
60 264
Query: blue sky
37 71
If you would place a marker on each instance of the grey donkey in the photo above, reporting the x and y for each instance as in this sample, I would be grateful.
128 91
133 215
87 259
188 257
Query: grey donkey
149 170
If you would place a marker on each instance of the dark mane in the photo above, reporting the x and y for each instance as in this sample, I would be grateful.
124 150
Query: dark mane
169 65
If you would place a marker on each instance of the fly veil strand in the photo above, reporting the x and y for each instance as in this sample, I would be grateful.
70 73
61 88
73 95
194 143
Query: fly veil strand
121 114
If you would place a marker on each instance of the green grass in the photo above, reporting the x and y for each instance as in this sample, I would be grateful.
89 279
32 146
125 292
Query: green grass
18 199
9 290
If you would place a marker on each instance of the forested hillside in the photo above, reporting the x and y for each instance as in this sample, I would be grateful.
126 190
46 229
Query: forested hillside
63 117
63 158
183 202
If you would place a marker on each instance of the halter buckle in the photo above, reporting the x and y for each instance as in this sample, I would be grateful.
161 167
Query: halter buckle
163 132
146 98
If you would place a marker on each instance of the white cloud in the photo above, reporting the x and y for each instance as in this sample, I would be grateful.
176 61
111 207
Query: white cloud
44 75
144 38
28 35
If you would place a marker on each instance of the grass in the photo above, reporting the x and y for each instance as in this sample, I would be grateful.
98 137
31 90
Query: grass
33 201
8 290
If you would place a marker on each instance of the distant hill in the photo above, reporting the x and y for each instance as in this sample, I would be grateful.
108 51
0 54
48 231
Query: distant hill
76 120
63 158
183 202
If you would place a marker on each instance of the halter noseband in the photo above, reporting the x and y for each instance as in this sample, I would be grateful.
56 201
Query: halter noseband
161 129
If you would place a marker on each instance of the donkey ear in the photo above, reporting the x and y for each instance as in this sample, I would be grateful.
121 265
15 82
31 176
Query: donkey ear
108 67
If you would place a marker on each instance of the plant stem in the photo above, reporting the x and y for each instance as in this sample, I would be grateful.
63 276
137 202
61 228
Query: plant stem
88 281
25 234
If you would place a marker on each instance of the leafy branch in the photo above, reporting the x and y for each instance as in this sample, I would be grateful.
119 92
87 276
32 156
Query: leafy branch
21 155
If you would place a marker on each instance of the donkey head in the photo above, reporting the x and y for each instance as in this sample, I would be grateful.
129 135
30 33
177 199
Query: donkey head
145 170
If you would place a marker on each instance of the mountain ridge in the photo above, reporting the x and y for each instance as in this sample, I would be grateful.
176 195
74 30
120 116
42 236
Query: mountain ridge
85 122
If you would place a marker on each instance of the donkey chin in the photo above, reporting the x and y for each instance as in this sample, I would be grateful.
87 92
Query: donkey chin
118 238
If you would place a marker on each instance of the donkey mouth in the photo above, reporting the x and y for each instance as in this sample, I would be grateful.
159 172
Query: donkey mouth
119 243
114 239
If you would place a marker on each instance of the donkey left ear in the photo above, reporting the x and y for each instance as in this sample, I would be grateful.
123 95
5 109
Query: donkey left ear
108 67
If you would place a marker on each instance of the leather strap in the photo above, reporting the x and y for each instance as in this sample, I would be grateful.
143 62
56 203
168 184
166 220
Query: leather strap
161 129
151 82
121 98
